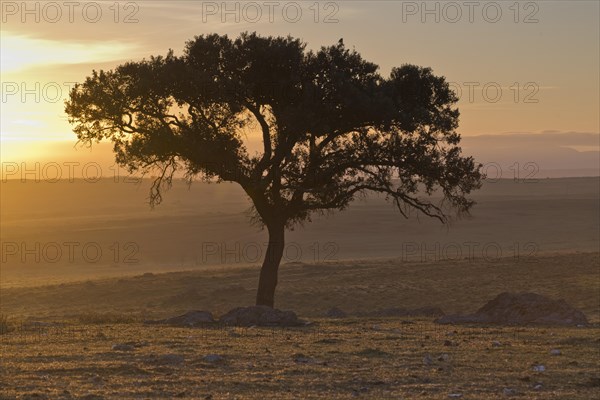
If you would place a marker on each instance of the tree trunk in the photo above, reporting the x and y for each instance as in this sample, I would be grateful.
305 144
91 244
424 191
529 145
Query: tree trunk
268 273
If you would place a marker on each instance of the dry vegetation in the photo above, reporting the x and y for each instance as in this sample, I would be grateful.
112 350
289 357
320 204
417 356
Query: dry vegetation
330 359
311 289
333 359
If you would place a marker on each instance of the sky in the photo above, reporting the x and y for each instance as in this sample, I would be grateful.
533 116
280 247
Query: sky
528 67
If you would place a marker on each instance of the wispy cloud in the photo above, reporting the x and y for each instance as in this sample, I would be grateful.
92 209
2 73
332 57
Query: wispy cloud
20 52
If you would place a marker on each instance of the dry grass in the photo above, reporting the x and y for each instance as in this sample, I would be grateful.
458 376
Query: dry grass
311 289
335 359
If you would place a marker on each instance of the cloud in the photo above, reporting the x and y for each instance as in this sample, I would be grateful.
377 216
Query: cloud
566 151
21 52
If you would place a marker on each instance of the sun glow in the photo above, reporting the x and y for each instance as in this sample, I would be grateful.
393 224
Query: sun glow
22 52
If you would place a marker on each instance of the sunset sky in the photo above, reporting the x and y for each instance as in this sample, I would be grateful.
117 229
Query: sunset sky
544 56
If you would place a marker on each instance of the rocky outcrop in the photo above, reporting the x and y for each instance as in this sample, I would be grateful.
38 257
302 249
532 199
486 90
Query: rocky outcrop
521 309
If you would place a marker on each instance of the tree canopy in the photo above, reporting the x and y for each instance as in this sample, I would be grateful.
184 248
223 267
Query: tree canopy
332 127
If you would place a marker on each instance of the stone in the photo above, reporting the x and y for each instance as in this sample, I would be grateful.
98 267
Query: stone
539 368
302 359
555 352
427 360
336 313
123 347
212 358
521 309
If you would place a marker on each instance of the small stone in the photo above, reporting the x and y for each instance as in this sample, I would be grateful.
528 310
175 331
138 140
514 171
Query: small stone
443 357
302 359
496 343
539 368
427 360
212 358
509 392
538 386
555 352
123 347
455 395
336 312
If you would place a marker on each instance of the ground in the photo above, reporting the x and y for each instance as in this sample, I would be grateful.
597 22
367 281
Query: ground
393 358
332 359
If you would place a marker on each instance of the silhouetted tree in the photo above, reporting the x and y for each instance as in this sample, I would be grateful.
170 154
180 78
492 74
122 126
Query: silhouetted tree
332 128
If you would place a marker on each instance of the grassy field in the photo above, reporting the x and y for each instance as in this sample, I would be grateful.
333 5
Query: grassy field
311 289
333 359
392 358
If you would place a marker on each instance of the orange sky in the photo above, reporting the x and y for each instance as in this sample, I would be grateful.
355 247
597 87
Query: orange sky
530 68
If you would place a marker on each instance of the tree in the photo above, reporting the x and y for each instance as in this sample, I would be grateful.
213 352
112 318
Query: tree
332 129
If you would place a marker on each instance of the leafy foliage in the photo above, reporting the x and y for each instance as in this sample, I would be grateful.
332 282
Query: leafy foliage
332 127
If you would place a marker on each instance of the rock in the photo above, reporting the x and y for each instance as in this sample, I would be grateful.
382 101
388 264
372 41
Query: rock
212 358
555 352
123 347
538 386
335 313
260 316
455 395
302 359
524 308
427 360
496 343
539 368
189 319
509 392
521 309
443 357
